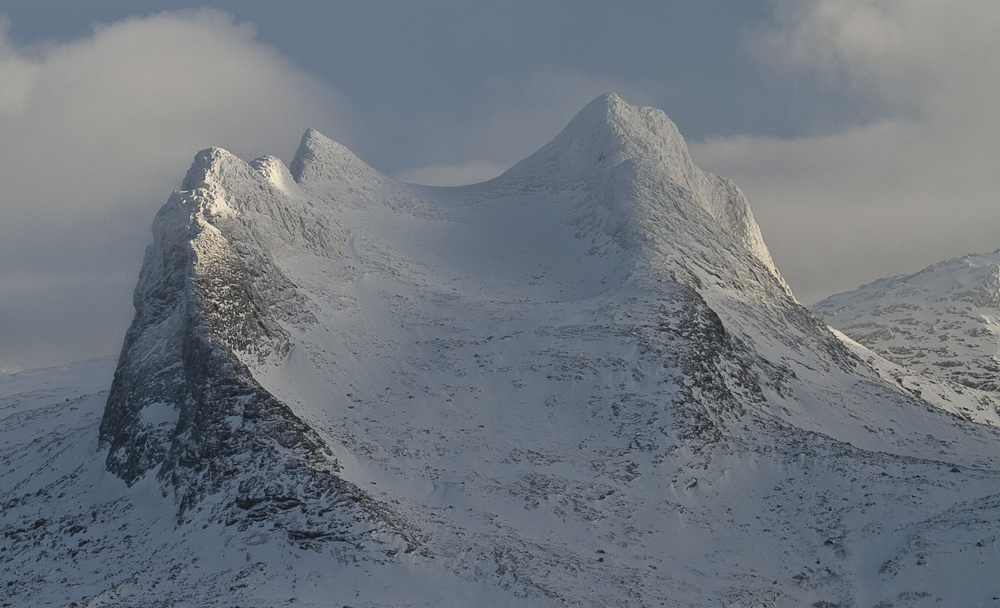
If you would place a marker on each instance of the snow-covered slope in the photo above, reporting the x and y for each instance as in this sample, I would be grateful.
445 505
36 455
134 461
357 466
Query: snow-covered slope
943 320
583 382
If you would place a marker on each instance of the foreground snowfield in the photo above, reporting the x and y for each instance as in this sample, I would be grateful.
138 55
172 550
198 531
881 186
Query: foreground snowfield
583 382
75 534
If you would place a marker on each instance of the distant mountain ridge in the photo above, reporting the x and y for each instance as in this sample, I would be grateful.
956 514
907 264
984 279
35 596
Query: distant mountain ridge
943 320
583 382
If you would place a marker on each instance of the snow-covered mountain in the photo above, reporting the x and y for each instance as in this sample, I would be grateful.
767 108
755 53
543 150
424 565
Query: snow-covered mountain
583 382
943 320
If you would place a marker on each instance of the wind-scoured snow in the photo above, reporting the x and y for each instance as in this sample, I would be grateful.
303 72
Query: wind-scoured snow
580 383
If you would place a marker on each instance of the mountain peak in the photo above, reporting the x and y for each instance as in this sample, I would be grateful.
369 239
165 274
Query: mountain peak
638 159
628 123
606 132
210 166
607 109
321 159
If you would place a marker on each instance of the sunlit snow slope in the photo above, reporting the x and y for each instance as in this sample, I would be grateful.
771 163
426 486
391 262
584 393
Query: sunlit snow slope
583 382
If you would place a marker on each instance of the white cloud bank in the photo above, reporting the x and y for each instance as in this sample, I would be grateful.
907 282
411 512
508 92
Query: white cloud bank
918 185
94 134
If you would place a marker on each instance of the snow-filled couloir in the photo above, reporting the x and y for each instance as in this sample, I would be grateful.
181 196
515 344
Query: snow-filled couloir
582 382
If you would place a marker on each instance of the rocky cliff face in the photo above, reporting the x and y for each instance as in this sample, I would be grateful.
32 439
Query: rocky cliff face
583 382
210 306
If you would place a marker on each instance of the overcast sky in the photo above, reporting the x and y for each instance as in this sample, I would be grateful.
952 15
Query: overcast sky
864 132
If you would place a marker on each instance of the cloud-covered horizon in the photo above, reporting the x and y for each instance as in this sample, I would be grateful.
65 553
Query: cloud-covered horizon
96 133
